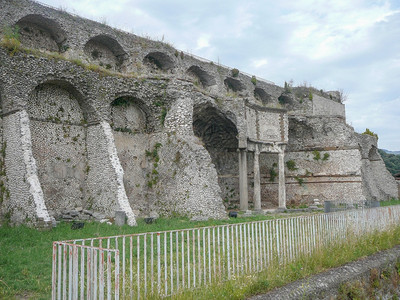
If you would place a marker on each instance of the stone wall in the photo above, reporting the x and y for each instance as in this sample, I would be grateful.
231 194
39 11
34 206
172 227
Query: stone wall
327 107
97 118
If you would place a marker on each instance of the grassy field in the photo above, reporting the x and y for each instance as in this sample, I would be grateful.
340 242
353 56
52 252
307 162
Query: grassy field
277 275
25 253
25 257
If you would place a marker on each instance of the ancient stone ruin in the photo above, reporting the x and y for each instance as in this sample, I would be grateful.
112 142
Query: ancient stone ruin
103 120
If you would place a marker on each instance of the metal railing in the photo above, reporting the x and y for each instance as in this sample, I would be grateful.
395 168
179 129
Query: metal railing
165 263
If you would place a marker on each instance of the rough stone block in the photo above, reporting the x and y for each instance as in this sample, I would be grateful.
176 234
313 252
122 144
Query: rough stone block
120 218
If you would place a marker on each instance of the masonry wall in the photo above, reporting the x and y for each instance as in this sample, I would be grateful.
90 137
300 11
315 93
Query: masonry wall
98 118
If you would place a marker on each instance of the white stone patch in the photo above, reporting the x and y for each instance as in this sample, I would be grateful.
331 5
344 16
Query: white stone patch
122 199
30 166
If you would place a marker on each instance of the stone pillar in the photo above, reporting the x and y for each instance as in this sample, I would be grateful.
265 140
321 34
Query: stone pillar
257 188
282 188
244 201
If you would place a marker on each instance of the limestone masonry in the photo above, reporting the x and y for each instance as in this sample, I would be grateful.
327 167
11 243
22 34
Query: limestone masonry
95 120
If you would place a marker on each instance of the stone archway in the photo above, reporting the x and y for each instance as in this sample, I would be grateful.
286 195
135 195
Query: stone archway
219 134
39 32
106 52
130 121
58 133
159 61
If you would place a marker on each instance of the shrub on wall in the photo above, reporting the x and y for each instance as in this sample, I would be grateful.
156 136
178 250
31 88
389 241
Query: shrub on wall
235 72
369 132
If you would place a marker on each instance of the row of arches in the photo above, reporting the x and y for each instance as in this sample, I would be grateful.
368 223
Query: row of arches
63 141
39 32
59 114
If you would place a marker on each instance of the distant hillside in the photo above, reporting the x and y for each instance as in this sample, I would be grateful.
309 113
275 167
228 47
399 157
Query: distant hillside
392 161
391 152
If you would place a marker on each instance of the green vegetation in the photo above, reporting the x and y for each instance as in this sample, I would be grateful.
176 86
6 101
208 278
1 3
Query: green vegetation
291 165
253 80
163 114
392 201
25 253
392 161
272 174
25 258
371 133
235 72
278 275
310 96
317 155
288 87
155 158
326 156
10 39
299 180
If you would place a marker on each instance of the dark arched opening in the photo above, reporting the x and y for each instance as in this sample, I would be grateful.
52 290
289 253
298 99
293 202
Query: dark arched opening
106 52
201 76
159 60
39 32
218 132
233 84
262 95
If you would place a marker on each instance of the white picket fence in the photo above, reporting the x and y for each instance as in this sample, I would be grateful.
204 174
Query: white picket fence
164 263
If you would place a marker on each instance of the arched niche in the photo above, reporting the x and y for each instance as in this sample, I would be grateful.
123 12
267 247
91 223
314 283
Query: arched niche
159 60
218 133
261 95
42 33
202 76
106 52
58 132
131 122
128 114
233 84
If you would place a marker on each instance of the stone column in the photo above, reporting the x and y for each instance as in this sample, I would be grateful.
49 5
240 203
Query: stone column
244 201
257 188
282 188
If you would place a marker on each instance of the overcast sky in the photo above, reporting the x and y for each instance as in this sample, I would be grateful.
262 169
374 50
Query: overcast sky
352 45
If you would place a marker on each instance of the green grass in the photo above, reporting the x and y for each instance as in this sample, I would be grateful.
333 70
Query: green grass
278 275
390 202
25 253
25 258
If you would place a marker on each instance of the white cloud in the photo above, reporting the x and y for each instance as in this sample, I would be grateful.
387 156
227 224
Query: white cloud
203 42
258 63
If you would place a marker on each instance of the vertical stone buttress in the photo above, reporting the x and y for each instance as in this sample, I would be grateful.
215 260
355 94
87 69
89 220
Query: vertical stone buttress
105 179
26 203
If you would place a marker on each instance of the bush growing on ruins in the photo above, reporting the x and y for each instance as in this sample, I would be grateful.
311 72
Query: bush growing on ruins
326 156
10 39
291 165
272 174
371 133
288 87
317 155
235 72
254 80
300 180
310 96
